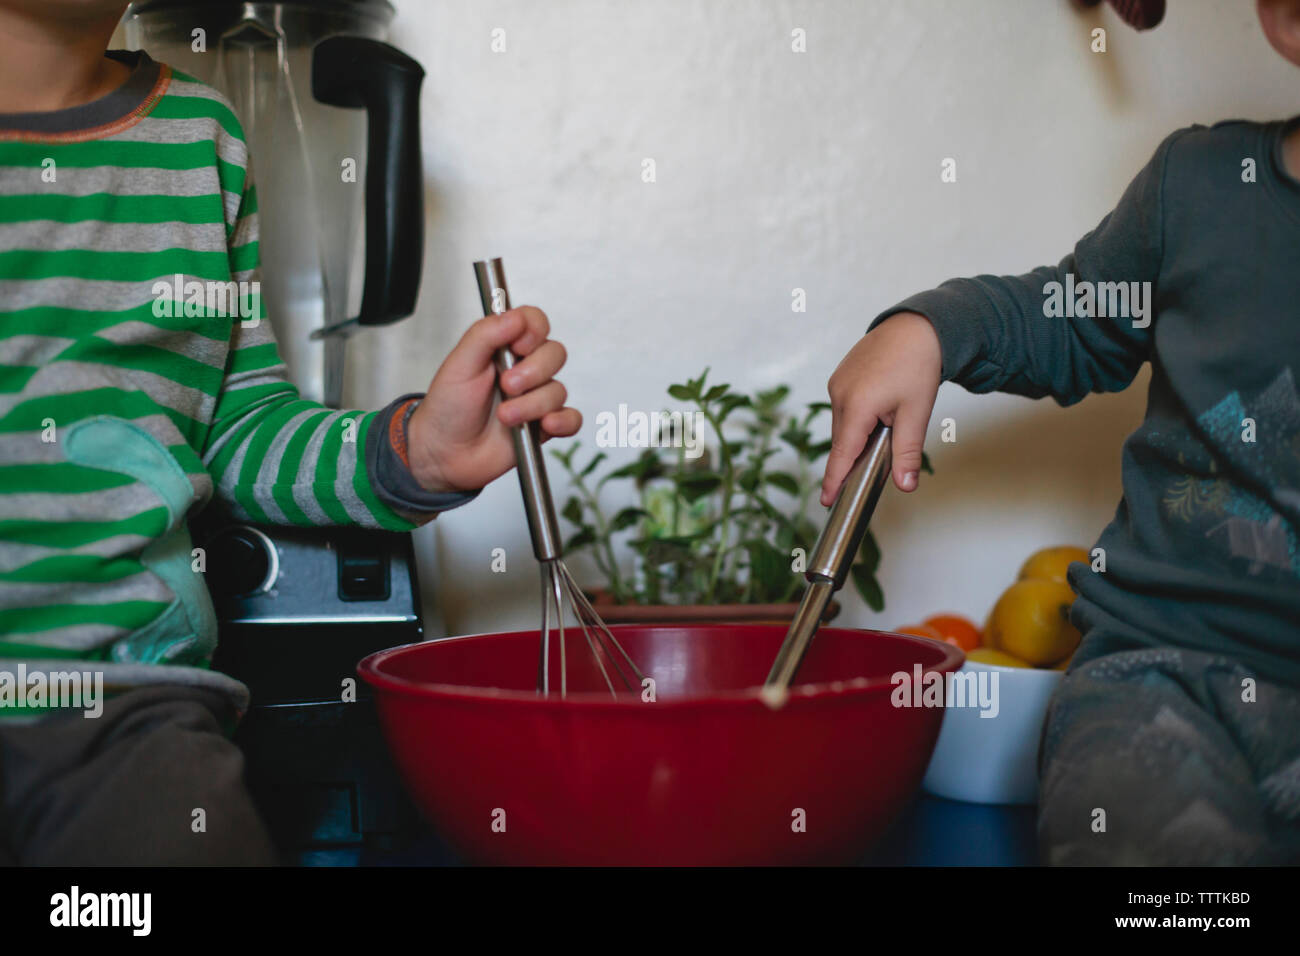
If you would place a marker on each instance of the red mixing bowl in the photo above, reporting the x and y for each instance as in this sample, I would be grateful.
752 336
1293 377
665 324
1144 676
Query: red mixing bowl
706 774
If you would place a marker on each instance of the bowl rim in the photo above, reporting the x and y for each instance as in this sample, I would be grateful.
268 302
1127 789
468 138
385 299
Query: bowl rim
1049 672
369 669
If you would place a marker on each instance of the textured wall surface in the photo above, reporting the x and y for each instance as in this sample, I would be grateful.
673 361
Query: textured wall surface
778 170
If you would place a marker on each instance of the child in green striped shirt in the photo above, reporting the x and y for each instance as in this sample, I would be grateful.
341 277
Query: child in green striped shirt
122 180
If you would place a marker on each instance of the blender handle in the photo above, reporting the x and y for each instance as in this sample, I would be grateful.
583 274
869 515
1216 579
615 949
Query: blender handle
357 72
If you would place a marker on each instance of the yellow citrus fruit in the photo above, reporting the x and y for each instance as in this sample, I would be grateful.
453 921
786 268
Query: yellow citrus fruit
1049 564
1030 621
987 655
1064 664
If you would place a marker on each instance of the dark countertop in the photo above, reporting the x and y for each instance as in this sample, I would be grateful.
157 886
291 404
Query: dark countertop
933 832
939 832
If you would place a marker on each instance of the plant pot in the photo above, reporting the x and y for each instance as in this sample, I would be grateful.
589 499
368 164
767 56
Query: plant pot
612 613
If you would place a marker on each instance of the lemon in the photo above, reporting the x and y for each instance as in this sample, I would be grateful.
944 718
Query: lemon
987 655
1030 621
1049 564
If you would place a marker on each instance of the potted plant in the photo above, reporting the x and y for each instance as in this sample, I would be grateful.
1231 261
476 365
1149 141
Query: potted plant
717 532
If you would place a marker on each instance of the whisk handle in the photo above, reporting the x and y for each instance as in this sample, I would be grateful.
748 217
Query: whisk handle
834 553
846 525
538 505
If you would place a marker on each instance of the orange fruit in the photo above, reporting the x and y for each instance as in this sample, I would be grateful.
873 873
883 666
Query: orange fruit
1031 621
1049 564
925 630
920 630
959 629
987 655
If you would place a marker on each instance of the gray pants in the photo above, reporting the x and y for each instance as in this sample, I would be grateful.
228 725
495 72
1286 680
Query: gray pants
127 788
1161 757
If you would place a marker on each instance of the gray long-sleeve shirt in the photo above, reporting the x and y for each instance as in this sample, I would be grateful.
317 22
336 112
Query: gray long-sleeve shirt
1197 270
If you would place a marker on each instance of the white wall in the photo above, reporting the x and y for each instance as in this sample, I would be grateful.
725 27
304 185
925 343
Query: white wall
775 170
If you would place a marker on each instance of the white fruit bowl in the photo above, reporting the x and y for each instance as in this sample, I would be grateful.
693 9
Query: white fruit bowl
993 759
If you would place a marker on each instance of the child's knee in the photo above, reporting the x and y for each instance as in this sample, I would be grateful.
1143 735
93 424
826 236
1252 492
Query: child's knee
158 784
1135 770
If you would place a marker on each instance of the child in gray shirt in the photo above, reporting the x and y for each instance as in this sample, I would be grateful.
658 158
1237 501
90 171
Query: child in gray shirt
1180 715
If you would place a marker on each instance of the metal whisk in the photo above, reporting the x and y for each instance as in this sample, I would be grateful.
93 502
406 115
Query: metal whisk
831 559
558 586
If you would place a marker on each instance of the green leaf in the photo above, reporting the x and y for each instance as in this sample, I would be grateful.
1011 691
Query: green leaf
866 584
644 469
626 518
716 392
783 480
806 530
683 393
695 485
565 456
768 568
797 438
581 539
772 397
630 470
775 514
869 552
659 551
818 450
573 511
785 538
729 403
591 465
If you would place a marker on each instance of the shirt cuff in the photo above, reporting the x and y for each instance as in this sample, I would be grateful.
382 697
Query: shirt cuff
390 473
961 337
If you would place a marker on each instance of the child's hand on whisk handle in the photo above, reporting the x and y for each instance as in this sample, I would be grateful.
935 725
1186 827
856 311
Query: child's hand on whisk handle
456 440
891 376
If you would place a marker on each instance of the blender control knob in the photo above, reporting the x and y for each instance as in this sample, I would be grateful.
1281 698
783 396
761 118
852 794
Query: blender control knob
241 561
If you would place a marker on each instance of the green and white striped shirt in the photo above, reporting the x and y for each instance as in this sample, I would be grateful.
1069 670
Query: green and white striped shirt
122 411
